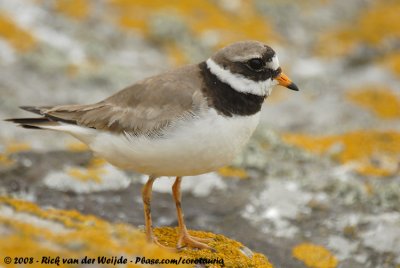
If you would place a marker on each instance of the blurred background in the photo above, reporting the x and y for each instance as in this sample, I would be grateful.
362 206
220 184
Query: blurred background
321 174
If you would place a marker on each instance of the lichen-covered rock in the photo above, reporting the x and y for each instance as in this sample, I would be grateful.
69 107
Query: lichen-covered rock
33 236
344 122
31 232
233 253
315 256
370 153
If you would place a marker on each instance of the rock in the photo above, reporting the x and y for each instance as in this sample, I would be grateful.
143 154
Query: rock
33 236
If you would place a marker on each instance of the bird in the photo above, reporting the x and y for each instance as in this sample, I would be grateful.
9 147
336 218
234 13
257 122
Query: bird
186 121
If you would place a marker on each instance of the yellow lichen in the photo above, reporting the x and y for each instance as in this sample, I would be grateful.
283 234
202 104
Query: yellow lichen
233 172
314 256
77 147
69 234
5 160
200 16
381 100
81 236
392 61
86 175
96 162
93 171
17 37
11 148
15 147
77 9
176 54
375 25
72 70
375 153
225 249
138 22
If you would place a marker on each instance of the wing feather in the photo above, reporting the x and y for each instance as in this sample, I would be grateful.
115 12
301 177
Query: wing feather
144 108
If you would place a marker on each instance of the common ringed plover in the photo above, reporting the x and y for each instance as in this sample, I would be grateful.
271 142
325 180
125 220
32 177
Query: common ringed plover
184 122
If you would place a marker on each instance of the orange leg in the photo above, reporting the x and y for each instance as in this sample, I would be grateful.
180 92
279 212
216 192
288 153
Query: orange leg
184 237
146 195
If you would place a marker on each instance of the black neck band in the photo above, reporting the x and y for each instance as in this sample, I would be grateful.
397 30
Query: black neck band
225 99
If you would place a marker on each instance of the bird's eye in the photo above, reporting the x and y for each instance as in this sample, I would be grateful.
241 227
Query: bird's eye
256 64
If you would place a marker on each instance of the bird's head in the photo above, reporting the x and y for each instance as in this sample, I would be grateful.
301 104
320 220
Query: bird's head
249 67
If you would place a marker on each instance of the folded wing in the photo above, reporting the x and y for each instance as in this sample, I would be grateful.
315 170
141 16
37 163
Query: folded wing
144 108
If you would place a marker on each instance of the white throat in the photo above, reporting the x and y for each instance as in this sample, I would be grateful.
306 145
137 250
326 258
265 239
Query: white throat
241 83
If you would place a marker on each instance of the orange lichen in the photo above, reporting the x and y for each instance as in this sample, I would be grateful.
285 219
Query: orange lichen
81 236
69 234
233 172
17 37
86 175
93 171
375 153
379 22
392 60
96 162
11 148
314 256
138 22
200 16
381 100
375 25
77 9
5 160
15 147
72 70
176 54
77 147
226 249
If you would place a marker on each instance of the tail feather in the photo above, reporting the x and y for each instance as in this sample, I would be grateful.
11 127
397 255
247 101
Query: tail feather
32 109
36 109
33 123
30 127
27 121
46 121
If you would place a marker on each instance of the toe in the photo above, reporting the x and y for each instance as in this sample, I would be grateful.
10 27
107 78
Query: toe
192 242
155 241
202 240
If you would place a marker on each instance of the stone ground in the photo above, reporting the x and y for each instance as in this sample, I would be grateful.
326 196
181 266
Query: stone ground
322 169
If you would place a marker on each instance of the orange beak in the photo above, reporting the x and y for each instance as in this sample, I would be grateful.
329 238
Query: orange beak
283 80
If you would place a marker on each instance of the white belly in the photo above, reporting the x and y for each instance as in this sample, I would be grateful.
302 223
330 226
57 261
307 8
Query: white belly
190 147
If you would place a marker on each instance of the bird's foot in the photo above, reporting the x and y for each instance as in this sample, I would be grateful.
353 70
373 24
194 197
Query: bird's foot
193 242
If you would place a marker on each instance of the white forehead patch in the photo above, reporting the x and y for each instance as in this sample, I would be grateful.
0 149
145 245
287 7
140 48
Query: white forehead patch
241 83
274 64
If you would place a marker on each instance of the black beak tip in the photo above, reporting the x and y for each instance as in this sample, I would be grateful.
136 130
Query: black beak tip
293 86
